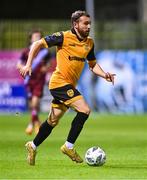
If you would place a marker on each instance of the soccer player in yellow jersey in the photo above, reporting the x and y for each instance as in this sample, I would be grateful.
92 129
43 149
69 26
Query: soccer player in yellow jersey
74 48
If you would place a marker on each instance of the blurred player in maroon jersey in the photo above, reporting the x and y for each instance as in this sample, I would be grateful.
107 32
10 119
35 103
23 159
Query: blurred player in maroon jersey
34 84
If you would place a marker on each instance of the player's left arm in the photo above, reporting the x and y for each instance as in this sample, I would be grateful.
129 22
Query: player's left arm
96 68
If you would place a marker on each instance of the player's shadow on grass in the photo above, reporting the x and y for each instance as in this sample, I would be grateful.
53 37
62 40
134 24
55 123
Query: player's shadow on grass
121 166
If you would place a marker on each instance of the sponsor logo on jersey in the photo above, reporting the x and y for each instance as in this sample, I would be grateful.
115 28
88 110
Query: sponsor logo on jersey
75 58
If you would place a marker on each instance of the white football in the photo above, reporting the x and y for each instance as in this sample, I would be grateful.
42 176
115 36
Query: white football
95 156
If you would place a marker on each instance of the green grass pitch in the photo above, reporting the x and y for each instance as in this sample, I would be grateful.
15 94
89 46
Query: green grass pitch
123 137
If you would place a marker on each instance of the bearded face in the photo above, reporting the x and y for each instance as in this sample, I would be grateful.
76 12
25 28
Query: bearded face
83 26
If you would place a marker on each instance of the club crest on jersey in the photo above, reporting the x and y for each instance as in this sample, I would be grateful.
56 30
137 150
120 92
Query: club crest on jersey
86 47
70 93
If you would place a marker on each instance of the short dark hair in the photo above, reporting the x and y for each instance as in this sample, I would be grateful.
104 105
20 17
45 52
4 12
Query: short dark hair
77 14
33 31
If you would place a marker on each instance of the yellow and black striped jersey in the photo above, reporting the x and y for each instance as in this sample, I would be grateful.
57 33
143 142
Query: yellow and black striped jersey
71 56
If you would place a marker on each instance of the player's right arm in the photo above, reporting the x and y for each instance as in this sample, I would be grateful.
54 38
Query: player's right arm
51 40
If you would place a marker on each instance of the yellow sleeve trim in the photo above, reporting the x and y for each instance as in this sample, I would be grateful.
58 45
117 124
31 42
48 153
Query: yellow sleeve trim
92 63
44 43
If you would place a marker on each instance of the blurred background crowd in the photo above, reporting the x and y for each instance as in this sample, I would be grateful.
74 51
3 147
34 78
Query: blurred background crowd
119 32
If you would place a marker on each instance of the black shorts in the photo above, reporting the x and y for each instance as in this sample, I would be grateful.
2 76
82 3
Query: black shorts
64 95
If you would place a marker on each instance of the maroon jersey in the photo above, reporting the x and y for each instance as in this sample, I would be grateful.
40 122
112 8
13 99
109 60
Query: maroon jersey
37 73
35 82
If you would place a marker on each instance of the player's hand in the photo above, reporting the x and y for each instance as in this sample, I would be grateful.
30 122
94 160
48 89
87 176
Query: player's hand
25 70
110 77
18 66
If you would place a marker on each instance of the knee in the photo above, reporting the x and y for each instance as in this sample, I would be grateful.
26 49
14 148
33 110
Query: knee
53 121
86 110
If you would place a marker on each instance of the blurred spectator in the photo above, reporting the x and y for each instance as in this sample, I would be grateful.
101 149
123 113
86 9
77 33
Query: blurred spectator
103 91
34 84
123 93
120 98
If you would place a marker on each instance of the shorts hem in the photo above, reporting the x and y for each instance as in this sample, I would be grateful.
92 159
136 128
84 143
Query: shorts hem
73 99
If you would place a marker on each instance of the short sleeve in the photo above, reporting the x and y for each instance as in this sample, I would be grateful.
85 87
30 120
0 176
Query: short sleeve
55 39
91 55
